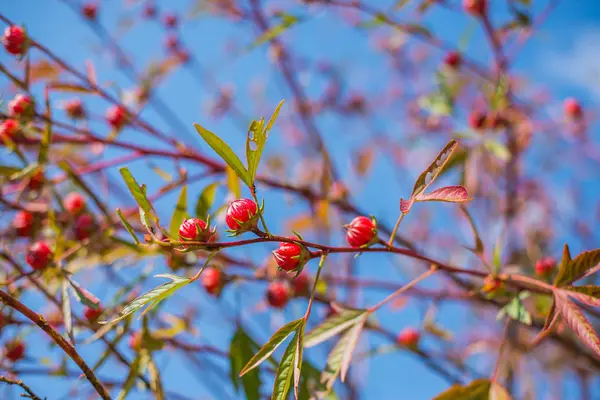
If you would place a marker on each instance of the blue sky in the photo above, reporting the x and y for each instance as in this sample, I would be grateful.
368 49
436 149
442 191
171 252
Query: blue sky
563 57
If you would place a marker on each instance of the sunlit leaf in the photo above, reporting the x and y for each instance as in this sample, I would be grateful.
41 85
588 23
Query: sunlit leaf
66 310
83 295
128 226
155 379
577 321
69 87
588 294
285 371
137 193
271 345
179 214
225 152
353 336
476 390
131 377
516 310
206 200
286 22
240 353
498 149
452 194
332 326
333 365
256 139
571 270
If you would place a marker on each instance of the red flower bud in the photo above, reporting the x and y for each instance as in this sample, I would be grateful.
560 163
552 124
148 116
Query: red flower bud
23 223
171 42
74 109
15 40
170 20
84 226
212 280
14 351
241 213
453 60
409 337
74 203
116 116
92 314
477 8
360 232
90 10
8 130
39 255
287 256
477 119
196 230
545 266
20 106
572 108
301 285
36 181
277 294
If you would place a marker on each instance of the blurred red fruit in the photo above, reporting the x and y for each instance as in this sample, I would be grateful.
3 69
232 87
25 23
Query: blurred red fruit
212 280
84 226
572 108
409 337
23 223
453 60
116 116
90 10
8 130
170 20
39 255
74 109
74 203
92 314
14 351
545 266
20 106
277 294
477 8
15 40
301 285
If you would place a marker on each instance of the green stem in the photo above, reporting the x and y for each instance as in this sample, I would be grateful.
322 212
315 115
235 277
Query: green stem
314 289
260 214
404 288
393 235
208 259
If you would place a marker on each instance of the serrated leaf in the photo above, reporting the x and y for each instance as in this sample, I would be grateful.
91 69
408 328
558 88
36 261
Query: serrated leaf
451 194
138 194
131 377
476 390
333 365
153 296
225 152
577 321
256 139
206 200
268 348
127 226
286 22
240 352
572 270
588 294
515 309
285 372
353 336
332 326
428 176
179 214
66 310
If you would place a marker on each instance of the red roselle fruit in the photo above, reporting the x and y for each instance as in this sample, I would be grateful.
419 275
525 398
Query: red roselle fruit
241 215
361 232
278 294
74 203
477 119
8 129
171 42
14 351
453 60
92 314
409 337
301 285
149 11
213 280
572 109
84 226
116 116
74 109
477 8
21 106
39 255
170 20
90 10
36 181
196 230
182 55
15 40
289 256
23 223
545 266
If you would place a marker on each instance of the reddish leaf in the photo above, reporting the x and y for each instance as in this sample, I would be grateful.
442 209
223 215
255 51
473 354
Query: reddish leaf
577 321
586 294
452 194
572 270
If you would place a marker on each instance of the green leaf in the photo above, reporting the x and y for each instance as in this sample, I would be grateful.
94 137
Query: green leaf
83 295
310 382
269 347
66 310
476 390
225 152
285 371
131 377
179 213
333 365
577 321
286 22
572 270
153 296
155 380
206 200
256 139
138 194
26 172
46 137
497 256
353 335
515 309
332 326
498 149
7 170
299 341
127 226
240 352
